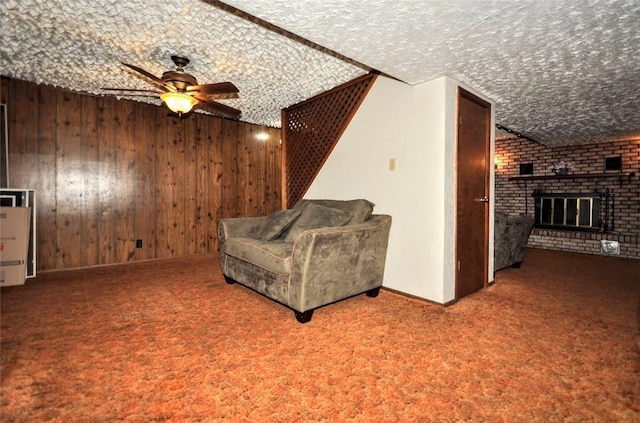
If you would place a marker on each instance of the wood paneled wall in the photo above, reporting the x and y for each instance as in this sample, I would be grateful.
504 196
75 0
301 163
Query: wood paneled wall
108 172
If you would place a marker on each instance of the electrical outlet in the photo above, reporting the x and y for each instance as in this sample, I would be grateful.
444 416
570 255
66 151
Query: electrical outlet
138 243
392 164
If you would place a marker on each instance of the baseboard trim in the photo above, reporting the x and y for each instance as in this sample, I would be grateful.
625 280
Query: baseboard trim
415 297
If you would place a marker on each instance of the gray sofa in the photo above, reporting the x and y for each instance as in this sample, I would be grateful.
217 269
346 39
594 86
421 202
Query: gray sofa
314 254
510 240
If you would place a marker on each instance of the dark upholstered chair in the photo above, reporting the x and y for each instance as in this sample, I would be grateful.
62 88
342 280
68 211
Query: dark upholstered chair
510 240
317 253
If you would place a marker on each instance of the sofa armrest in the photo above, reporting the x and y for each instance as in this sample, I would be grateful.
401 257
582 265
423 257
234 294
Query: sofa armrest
236 227
519 231
330 264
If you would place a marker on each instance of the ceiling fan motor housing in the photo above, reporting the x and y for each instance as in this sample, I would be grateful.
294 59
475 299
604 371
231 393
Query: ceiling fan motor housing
179 79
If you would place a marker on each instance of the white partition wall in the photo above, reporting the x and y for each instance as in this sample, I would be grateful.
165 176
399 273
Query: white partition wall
399 152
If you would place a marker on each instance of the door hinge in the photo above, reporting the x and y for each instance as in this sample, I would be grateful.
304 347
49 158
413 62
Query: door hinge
458 265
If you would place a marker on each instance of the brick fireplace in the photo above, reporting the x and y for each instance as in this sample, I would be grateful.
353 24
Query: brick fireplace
573 212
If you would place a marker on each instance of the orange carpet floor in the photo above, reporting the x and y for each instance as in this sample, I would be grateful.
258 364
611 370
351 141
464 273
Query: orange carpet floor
556 340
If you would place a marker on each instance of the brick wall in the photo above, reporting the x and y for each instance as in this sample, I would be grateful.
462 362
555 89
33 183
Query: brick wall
515 197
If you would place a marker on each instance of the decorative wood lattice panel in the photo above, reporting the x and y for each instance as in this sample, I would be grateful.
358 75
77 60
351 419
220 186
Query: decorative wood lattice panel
312 129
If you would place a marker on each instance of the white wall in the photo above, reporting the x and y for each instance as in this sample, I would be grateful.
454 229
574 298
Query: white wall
415 125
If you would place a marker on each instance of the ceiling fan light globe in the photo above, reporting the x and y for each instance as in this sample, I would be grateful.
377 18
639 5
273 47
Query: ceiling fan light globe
178 102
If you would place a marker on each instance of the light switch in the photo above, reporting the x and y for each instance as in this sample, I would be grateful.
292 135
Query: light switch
392 164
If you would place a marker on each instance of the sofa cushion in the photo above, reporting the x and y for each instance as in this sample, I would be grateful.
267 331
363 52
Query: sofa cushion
274 256
315 216
274 225
359 209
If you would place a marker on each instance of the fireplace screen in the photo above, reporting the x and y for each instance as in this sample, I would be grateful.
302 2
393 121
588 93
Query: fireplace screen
578 212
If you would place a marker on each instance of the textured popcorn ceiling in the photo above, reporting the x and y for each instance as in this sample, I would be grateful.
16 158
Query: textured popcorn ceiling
80 44
560 71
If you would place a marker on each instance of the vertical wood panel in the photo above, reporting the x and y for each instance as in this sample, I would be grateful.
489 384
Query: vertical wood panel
272 172
175 188
255 170
162 194
145 212
243 155
107 172
190 184
4 90
69 180
250 159
259 169
90 248
46 223
214 177
107 180
229 169
244 204
278 176
125 168
23 135
202 185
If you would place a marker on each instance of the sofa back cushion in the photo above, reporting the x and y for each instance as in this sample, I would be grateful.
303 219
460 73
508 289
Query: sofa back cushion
274 225
359 209
316 216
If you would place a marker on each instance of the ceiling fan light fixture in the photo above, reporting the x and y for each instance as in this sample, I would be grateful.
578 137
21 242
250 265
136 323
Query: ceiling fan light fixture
178 102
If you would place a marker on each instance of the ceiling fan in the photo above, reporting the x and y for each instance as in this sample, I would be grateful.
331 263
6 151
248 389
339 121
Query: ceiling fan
180 91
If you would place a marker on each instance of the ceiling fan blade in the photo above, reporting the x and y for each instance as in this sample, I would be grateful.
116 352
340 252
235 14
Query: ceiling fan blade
159 82
218 107
210 89
134 90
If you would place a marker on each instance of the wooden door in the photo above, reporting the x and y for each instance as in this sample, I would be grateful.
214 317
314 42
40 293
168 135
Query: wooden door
472 190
